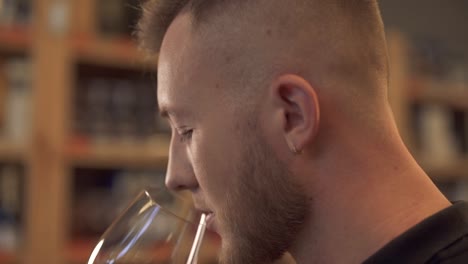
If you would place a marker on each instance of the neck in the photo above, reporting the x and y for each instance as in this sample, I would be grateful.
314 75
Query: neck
359 209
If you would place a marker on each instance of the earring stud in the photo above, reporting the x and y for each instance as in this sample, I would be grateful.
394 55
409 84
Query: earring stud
293 148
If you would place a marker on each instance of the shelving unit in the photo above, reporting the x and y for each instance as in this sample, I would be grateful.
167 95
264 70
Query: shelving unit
116 53
11 152
453 171
6 257
426 91
15 39
407 90
78 250
52 152
123 155
15 42
448 94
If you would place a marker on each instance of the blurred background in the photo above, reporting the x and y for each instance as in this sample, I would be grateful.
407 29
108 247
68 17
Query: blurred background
79 132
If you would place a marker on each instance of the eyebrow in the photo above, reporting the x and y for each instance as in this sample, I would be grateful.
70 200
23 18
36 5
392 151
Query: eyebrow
163 112
166 113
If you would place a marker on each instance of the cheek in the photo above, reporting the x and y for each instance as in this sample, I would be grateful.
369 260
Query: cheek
214 165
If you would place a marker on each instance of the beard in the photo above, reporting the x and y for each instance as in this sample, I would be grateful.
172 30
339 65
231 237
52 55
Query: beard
264 210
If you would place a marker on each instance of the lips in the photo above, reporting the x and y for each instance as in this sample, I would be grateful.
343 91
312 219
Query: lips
210 222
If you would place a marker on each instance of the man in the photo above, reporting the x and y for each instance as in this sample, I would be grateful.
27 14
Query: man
282 131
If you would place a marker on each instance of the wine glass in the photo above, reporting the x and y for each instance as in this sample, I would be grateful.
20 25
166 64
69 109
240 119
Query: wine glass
158 227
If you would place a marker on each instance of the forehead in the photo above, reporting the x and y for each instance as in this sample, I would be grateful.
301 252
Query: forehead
172 64
185 72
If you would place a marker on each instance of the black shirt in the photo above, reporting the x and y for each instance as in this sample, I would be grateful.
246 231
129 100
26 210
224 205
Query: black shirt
441 238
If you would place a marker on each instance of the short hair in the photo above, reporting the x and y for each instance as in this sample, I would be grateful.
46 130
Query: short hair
331 42
157 15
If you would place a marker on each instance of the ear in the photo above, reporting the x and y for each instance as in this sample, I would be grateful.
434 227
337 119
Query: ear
300 110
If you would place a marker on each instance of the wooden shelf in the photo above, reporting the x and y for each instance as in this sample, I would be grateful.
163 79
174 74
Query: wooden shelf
114 52
453 95
10 152
455 170
120 155
79 250
15 39
8 257
438 92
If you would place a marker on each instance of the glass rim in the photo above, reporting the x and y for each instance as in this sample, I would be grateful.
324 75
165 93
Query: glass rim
149 193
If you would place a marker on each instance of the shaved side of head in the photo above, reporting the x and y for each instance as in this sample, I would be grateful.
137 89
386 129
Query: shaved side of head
330 43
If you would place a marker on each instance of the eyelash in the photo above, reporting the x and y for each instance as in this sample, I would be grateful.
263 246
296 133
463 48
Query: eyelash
186 135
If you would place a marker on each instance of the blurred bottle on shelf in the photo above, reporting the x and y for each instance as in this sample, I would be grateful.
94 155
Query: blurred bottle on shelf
460 130
466 133
438 142
431 57
441 122
146 109
14 12
433 60
123 110
109 109
10 207
18 100
3 97
461 191
128 183
101 195
458 76
98 105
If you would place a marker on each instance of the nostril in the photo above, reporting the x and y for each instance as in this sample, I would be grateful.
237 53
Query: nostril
171 184
175 184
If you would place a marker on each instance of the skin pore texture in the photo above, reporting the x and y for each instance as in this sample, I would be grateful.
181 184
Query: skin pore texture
282 130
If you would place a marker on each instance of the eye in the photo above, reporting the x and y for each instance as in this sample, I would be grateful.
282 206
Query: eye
186 135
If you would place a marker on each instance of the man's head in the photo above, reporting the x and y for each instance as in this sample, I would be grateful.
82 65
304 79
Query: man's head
258 94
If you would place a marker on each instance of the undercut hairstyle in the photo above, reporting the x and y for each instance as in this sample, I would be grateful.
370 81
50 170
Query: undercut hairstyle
331 43
157 15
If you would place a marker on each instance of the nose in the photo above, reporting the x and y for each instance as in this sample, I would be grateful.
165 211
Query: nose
180 175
